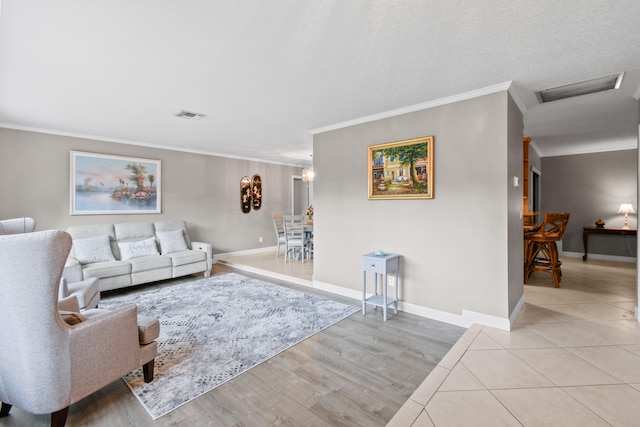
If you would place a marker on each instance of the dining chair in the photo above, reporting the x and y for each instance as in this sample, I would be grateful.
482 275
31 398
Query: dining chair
280 237
295 239
541 251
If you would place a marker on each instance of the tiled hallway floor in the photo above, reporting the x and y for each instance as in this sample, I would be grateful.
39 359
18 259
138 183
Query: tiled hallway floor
270 265
572 359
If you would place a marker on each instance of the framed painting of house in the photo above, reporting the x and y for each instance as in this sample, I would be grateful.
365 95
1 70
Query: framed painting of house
401 169
106 184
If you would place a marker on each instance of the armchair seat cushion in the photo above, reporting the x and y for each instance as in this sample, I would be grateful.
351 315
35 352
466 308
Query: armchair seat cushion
148 327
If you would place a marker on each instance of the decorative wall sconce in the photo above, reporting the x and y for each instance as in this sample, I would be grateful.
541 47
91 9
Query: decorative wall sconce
245 194
250 193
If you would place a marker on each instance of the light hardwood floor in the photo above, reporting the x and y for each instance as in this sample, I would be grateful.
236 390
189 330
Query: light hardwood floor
358 372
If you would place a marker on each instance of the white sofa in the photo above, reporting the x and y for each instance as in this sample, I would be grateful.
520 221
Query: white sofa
133 253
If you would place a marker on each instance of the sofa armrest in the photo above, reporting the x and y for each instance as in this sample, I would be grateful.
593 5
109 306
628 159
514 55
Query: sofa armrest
69 304
206 247
72 270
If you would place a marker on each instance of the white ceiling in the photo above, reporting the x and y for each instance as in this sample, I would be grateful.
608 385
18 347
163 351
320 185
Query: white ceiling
268 72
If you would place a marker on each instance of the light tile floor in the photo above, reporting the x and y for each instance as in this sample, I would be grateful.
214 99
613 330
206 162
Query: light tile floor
270 265
572 359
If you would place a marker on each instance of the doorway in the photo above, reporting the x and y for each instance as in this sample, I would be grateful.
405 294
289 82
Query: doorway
302 195
535 191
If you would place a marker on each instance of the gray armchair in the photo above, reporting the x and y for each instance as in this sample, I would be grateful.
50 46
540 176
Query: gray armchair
47 364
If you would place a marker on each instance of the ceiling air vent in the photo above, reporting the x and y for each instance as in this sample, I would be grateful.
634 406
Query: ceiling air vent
598 84
190 115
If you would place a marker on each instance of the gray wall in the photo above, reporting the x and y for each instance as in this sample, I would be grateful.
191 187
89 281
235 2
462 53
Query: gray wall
592 187
461 250
203 190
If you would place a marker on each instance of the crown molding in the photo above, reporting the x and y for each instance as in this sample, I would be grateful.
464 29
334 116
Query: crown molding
600 147
422 106
138 143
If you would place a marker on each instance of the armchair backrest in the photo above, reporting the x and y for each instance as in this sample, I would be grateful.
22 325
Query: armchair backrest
32 333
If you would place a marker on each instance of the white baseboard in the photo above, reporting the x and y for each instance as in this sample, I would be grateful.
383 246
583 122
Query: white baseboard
600 256
467 318
516 311
225 255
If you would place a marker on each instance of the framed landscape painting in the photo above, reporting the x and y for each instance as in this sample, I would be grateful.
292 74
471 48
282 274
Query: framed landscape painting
106 184
402 169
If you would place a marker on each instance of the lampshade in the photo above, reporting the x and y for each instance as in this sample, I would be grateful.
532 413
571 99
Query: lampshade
626 208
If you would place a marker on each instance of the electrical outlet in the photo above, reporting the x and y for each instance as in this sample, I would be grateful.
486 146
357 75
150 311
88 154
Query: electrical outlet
260 239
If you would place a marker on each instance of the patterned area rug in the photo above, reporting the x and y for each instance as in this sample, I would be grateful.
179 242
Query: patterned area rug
214 329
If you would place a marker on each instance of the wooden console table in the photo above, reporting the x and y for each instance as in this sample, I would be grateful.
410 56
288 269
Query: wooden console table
601 230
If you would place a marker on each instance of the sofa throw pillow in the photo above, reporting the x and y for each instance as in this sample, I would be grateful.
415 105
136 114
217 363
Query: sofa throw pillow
138 248
171 241
93 249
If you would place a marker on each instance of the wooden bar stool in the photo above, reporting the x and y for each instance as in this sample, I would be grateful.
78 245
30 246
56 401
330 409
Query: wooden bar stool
541 253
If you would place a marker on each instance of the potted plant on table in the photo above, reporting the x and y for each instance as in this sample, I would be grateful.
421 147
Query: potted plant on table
309 215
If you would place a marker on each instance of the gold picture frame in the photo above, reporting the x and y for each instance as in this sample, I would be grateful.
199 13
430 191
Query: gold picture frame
401 169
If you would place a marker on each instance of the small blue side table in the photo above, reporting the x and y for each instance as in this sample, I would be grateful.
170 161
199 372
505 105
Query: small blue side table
384 264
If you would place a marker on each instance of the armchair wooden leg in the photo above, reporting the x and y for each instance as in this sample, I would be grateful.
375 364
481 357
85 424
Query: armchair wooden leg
59 418
147 370
4 409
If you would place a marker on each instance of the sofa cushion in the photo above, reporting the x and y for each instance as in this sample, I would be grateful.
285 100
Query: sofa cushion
147 263
187 257
171 241
133 230
106 269
93 249
137 248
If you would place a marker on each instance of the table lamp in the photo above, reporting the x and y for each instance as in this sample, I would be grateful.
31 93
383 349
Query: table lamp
626 209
